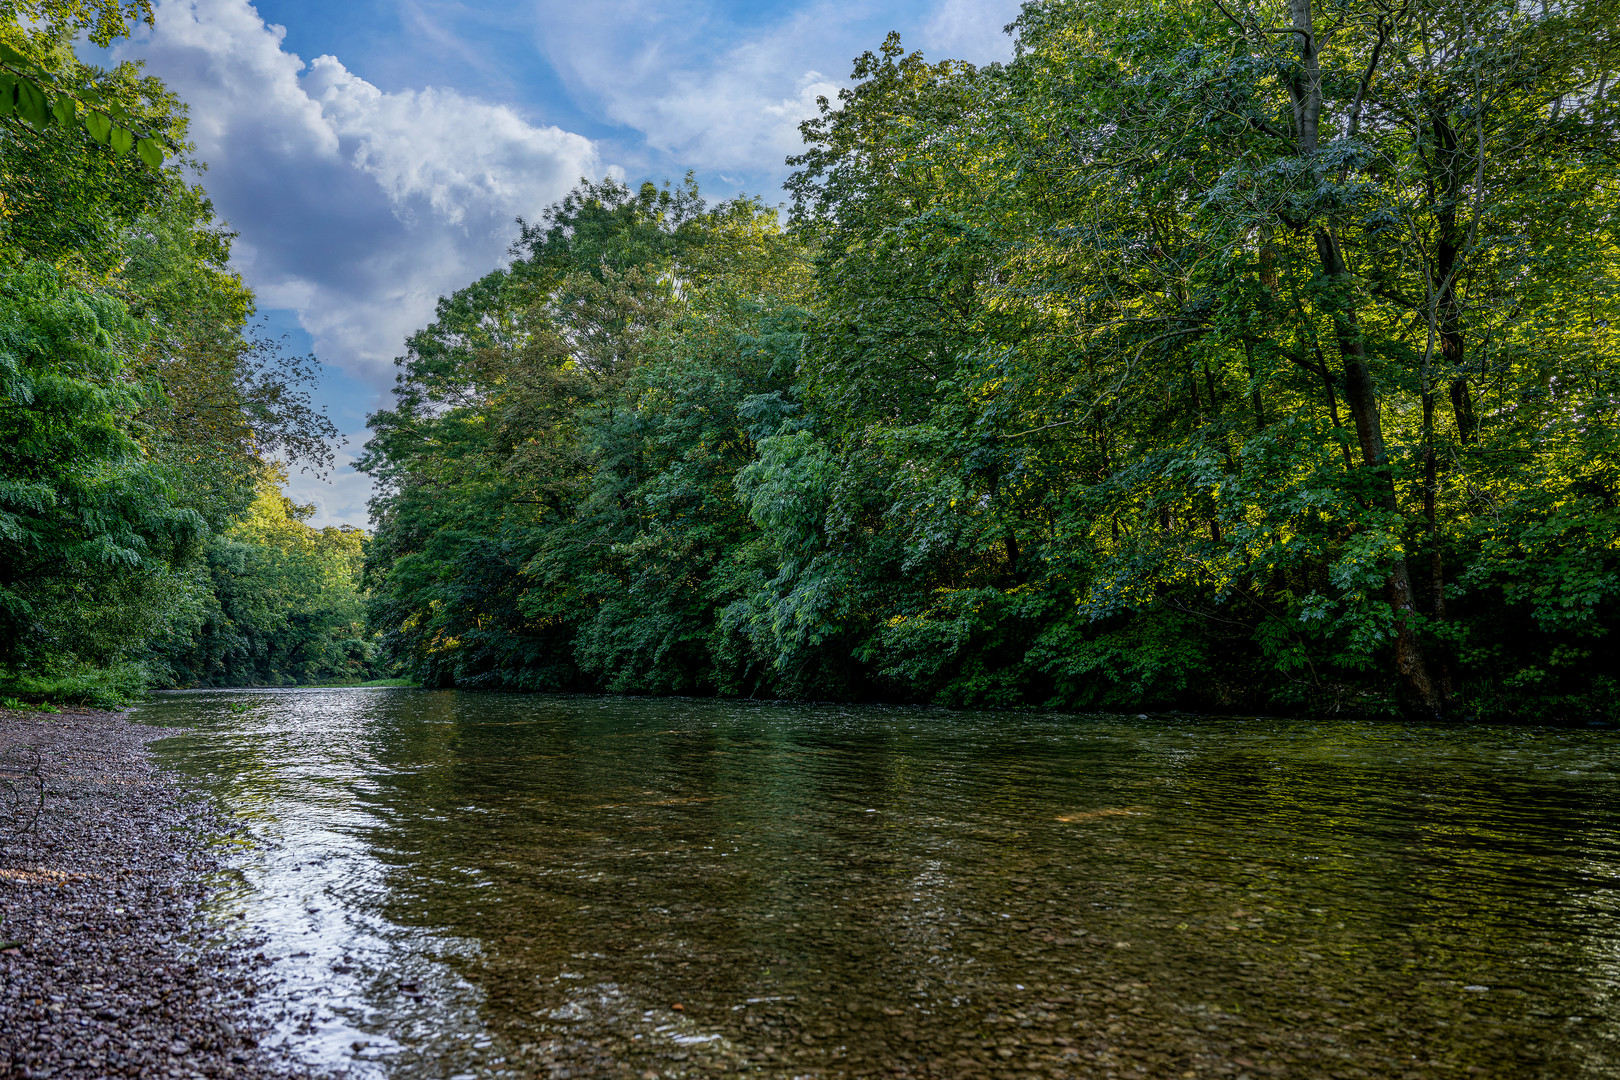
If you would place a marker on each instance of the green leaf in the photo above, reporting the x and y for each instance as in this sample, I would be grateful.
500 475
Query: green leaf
62 109
31 103
98 126
121 140
150 152
10 55
8 93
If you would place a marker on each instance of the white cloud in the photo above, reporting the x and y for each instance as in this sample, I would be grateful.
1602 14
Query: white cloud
971 30
696 90
729 119
357 208
720 98
340 498
463 157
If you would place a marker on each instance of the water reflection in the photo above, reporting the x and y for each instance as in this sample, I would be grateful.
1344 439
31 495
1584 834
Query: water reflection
479 886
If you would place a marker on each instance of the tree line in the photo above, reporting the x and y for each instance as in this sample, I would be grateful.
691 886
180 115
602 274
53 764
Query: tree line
144 418
1204 355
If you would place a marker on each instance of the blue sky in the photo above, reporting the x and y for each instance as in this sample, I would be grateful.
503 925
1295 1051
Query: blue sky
372 156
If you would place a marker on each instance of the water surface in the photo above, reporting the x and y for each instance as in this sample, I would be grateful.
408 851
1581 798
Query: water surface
469 886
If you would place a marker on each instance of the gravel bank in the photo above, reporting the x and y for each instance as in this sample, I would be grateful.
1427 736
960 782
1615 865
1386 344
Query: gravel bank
106 967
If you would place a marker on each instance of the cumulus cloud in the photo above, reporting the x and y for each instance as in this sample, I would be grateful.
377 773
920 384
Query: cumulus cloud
341 498
356 207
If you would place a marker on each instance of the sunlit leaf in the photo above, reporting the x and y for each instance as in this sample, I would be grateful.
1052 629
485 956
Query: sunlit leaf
62 110
122 139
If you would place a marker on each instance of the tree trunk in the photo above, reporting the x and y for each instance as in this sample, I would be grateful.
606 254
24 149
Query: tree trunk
1445 189
1419 694
1445 192
1009 544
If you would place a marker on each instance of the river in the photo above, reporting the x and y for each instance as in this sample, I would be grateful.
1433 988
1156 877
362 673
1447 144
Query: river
464 885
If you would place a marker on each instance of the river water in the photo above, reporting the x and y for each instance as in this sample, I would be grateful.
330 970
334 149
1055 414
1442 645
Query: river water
469 886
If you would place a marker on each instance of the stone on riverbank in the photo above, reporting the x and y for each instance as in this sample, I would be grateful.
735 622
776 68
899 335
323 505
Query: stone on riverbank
110 969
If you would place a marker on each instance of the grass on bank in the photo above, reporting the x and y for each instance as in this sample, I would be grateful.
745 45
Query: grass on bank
323 684
18 705
112 687
368 682
75 684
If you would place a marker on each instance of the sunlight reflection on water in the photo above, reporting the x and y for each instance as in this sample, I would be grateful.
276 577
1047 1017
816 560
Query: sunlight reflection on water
483 885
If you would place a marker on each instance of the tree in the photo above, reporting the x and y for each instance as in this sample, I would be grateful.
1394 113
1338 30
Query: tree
82 504
35 89
1209 355
1268 192
283 604
531 471
141 407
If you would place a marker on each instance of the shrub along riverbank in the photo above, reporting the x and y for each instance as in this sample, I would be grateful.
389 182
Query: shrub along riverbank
1177 362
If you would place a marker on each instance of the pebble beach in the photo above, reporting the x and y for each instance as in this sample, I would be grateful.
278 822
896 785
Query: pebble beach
107 964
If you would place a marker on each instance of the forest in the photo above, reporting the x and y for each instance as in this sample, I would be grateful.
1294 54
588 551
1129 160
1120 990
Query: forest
1181 362
145 419
1188 360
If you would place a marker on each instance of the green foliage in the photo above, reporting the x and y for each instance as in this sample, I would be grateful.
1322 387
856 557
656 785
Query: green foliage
18 705
91 528
282 605
558 465
99 686
38 88
1179 362
137 408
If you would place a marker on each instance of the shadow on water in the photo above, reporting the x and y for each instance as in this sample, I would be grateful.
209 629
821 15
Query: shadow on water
459 885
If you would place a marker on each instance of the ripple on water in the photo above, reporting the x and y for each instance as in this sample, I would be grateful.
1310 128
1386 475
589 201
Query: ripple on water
483 885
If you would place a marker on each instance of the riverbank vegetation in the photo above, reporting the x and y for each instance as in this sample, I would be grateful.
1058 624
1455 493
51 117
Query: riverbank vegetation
1193 358
1201 356
141 416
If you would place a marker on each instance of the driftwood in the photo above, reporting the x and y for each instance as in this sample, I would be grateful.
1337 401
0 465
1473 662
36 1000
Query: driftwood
22 792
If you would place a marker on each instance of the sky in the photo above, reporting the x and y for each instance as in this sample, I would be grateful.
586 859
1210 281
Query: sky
373 156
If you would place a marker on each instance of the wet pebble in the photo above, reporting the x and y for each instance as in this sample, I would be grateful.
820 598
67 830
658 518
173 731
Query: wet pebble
115 973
